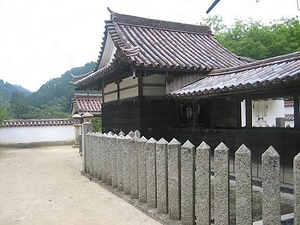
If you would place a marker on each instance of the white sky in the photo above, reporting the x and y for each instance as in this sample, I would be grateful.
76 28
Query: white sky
42 39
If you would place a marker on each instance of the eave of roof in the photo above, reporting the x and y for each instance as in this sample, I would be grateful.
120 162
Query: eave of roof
281 70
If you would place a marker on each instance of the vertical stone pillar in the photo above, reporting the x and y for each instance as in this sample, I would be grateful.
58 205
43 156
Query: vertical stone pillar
131 134
243 175
86 128
221 184
162 175
297 189
88 151
119 144
187 183
142 170
174 200
202 184
103 158
114 149
151 172
121 133
98 156
126 164
109 150
134 188
271 213
92 154
77 125
137 134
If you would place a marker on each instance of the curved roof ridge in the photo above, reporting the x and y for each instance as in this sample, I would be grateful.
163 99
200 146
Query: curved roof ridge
159 24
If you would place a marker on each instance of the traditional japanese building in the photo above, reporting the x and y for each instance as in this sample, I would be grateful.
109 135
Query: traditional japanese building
170 80
142 60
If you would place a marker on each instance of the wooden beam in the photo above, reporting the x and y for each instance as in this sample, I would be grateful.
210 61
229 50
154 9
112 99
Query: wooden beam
195 114
296 111
248 112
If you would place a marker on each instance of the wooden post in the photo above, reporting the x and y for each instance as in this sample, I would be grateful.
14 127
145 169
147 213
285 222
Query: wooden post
296 111
195 114
248 101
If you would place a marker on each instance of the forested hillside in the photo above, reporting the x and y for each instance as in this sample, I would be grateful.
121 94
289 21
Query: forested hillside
52 100
58 92
7 90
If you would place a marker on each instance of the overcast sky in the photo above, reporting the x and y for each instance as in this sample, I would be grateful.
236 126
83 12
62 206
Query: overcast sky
42 39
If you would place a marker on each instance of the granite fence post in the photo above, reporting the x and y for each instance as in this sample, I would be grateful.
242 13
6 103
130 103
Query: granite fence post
106 158
221 184
202 184
134 189
243 175
88 153
131 134
126 164
271 213
109 150
121 133
86 128
98 156
142 176
114 149
174 200
162 175
137 134
92 153
187 183
119 144
103 157
151 172
297 189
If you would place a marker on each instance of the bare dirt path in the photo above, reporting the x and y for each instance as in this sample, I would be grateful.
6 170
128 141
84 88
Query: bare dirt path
44 186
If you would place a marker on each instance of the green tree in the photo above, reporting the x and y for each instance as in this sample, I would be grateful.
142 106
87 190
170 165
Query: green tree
2 113
256 40
18 105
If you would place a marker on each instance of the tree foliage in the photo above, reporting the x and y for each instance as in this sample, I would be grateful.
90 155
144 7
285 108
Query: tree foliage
256 40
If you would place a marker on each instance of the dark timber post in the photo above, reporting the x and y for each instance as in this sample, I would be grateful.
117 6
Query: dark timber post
296 111
248 112
195 114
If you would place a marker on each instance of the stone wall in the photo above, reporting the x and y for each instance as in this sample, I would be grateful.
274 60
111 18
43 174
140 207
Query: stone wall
175 179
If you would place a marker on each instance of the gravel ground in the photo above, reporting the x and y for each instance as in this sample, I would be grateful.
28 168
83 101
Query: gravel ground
44 186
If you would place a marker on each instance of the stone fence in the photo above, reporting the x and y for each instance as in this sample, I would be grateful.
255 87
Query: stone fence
176 178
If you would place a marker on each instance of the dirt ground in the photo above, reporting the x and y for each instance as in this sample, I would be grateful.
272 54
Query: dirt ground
44 186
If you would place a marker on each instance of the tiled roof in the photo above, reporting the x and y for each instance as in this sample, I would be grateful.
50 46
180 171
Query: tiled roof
164 45
87 103
36 122
289 117
265 73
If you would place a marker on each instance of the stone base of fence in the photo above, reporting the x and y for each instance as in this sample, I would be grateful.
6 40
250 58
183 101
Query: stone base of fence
152 212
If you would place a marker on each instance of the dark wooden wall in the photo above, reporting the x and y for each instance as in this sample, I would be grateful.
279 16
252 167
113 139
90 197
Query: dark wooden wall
150 116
